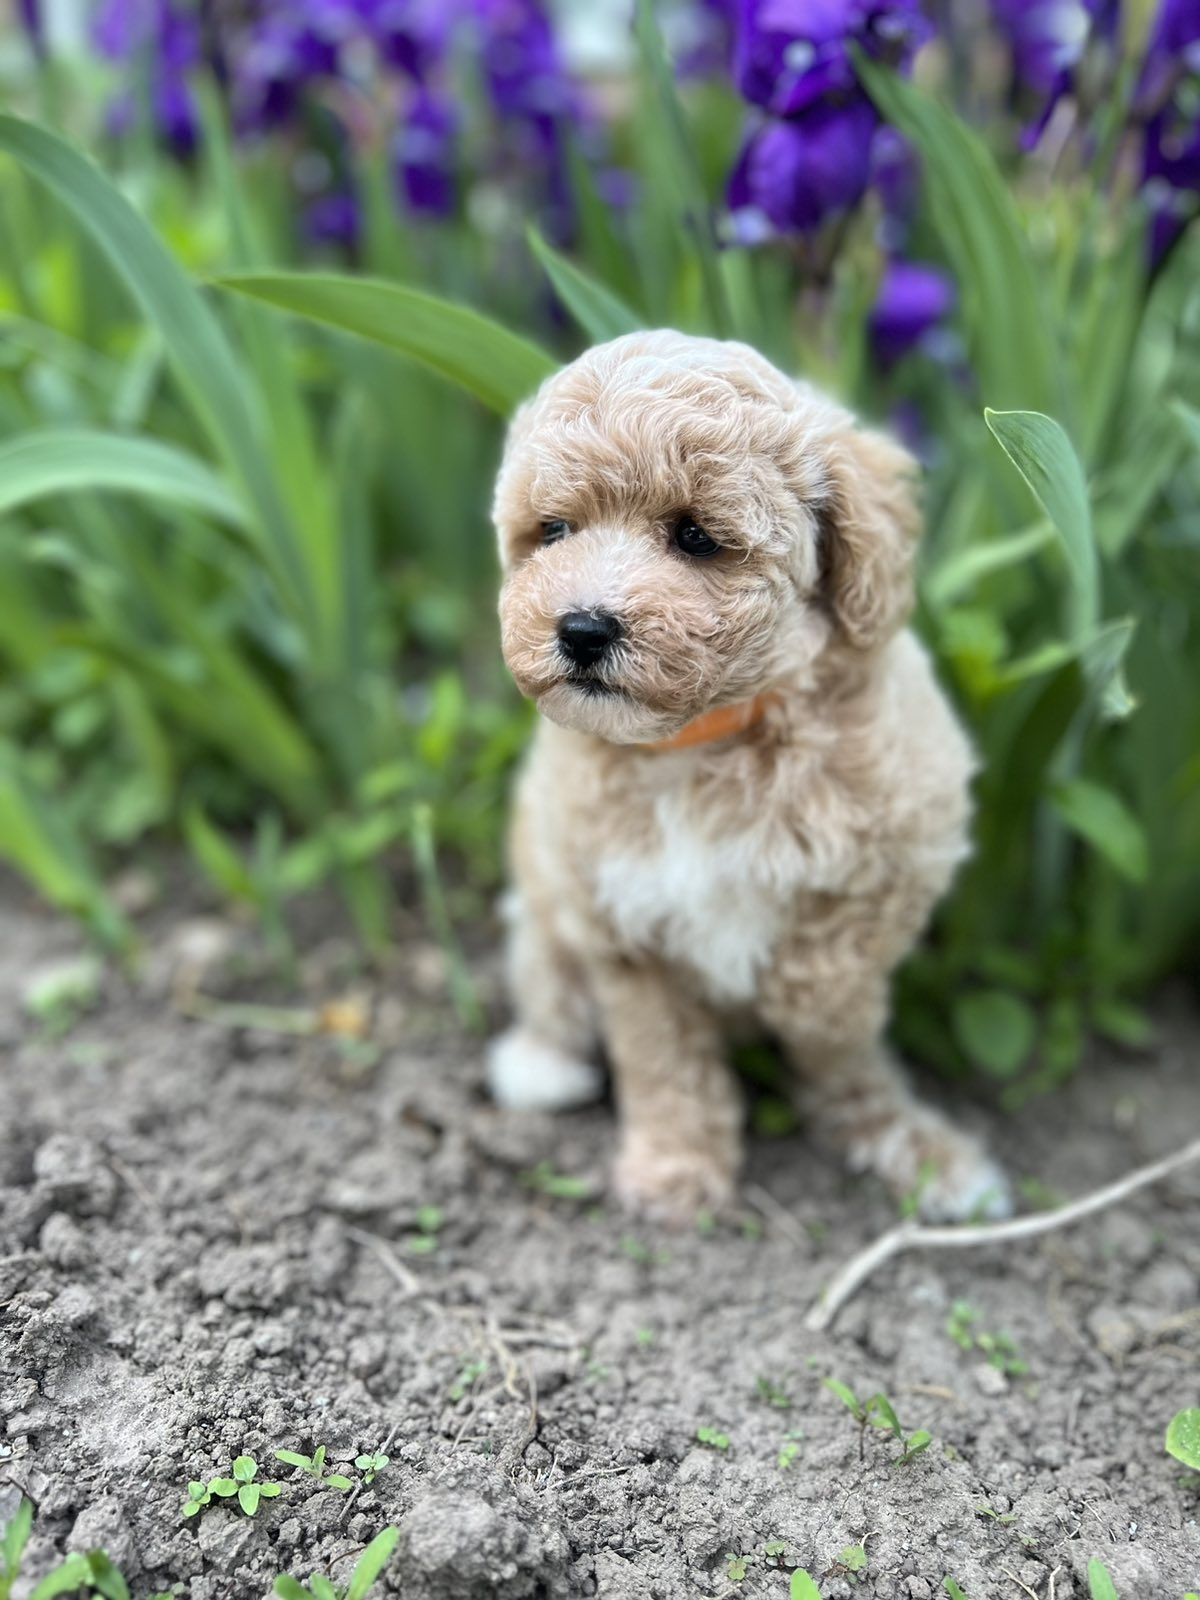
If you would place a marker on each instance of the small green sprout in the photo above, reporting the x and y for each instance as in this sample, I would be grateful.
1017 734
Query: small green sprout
878 1412
735 1571
773 1394
645 1337
789 1449
802 1587
425 1241
59 997
1002 1519
93 1569
1183 1437
713 1438
999 1349
371 1466
370 1564
314 1467
557 1185
242 1486
469 1375
633 1247
854 1558
12 1546
952 1589
774 1548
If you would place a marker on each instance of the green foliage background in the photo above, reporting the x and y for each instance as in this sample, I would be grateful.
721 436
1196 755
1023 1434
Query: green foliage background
246 575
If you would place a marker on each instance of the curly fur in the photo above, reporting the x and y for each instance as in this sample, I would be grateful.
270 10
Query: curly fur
778 876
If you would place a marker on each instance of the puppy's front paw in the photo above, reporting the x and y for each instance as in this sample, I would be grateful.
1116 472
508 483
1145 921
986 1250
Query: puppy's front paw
525 1074
950 1175
671 1186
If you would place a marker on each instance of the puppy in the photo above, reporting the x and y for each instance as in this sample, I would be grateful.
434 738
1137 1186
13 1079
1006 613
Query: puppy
746 791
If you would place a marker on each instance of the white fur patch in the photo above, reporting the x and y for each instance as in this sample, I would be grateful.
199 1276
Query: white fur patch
706 905
524 1074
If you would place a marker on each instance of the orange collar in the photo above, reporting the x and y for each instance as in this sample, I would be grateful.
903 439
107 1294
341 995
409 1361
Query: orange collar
722 723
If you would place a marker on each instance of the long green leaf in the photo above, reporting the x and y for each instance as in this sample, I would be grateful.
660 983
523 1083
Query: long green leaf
964 568
599 312
1106 822
972 210
1041 452
497 366
203 360
372 1562
66 460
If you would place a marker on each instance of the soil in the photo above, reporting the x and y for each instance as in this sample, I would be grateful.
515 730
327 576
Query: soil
216 1238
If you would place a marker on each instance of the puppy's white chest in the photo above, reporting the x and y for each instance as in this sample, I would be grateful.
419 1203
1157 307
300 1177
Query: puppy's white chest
696 902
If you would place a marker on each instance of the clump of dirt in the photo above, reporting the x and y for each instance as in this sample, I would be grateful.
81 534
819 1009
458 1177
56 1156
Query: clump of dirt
218 1239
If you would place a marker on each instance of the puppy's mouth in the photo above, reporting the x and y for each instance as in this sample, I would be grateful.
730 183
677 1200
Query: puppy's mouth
595 688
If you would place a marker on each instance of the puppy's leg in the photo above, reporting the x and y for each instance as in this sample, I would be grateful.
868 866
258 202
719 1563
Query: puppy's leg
679 1106
856 1096
543 1062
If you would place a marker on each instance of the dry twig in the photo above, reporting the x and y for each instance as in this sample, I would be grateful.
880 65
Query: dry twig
916 1236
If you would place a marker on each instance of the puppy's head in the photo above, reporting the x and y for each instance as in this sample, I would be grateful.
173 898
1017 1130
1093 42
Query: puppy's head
681 526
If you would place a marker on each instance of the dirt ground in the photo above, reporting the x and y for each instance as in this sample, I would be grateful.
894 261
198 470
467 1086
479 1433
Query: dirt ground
219 1238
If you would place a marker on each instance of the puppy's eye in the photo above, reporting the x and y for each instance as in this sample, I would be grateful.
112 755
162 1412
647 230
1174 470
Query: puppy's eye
691 538
555 529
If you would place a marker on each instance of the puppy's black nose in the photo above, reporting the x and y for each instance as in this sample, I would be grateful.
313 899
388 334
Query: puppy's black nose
584 636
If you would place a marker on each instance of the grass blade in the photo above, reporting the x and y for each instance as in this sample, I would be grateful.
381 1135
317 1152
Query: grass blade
599 312
498 367
64 460
372 1562
971 209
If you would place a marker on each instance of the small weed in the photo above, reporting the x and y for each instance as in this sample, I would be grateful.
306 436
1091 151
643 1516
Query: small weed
59 998
469 1375
370 1564
910 1204
953 1590
645 1337
752 1227
789 1449
773 1394
12 1546
735 1569
633 1247
706 1224
1002 1518
1183 1437
774 1548
558 1185
878 1412
854 1558
713 1438
802 1587
92 1570
425 1241
371 1466
999 1349
314 1467
1039 1196
243 1485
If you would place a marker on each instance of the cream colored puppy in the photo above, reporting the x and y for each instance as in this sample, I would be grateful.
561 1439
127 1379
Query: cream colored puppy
746 791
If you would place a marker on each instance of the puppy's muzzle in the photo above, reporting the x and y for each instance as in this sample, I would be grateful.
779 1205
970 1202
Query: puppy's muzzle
585 637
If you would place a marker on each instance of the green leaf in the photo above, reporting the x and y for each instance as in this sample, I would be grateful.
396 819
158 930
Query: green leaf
854 1557
336 1481
953 1590
1044 456
996 1030
881 1414
68 460
971 208
322 1588
1183 1437
105 1578
244 1468
498 367
200 354
802 1587
962 570
1106 822
1100 1584
290 1458
671 151
915 1443
599 312
270 1491
287 1588
372 1562
229 873
73 1574
226 1488
249 1495
16 1536
846 1395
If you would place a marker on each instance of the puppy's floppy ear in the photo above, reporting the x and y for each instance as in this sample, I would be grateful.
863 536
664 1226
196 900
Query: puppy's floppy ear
870 523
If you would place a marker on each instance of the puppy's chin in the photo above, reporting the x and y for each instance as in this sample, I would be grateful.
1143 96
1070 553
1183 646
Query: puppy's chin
605 714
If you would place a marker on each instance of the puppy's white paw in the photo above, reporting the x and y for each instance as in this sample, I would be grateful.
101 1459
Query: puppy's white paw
925 1158
525 1074
671 1186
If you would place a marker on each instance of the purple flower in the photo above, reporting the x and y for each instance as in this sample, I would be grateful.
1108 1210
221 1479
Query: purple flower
1048 40
30 13
794 176
334 219
792 53
1168 102
423 155
170 39
912 300
521 63
411 34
